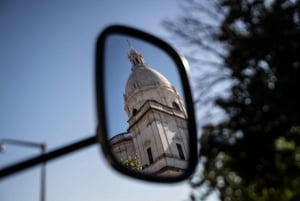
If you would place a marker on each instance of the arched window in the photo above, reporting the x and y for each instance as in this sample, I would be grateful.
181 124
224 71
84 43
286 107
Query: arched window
134 111
180 151
137 61
175 106
150 157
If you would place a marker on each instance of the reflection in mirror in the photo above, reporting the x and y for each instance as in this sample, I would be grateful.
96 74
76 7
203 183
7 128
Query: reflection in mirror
145 108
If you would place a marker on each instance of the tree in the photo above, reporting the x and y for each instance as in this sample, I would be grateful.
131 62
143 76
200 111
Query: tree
254 152
133 163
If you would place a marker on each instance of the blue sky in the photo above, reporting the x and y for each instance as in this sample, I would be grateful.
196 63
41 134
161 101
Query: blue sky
47 95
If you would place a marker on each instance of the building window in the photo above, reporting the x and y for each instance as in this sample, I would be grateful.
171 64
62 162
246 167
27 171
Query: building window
134 112
175 106
149 152
180 151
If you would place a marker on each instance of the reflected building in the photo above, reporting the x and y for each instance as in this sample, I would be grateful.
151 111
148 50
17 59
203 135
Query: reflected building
157 122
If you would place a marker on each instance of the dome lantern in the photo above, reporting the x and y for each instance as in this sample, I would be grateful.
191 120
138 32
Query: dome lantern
135 57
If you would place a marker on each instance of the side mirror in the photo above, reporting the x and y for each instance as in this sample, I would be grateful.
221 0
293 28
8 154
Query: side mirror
146 121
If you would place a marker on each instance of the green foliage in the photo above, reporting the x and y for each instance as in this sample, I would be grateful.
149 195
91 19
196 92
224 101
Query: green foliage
133 163
254 154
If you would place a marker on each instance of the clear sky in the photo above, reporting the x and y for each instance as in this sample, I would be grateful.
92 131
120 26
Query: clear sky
47 95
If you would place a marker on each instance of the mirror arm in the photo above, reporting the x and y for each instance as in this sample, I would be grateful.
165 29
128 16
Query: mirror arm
19 166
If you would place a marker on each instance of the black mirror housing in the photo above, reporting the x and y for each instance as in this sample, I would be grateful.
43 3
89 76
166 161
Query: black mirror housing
160 141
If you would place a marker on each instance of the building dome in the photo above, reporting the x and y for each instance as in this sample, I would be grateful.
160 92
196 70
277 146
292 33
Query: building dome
143 77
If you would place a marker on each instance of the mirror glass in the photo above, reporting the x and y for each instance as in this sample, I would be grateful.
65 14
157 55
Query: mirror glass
145 108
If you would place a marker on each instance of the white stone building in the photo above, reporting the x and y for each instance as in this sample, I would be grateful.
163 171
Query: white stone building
157 134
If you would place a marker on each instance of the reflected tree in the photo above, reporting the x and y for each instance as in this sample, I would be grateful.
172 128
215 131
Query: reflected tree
133 163
252 47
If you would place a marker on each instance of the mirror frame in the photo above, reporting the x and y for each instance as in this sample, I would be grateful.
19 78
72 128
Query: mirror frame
102 134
